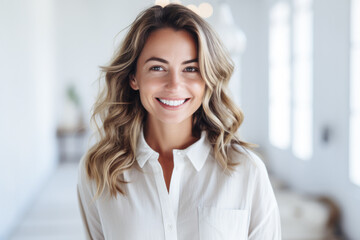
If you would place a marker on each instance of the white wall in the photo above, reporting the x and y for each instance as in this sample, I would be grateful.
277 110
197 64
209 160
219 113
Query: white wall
327 172
27 123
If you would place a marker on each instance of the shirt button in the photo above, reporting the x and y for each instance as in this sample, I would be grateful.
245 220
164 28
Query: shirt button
179 153
169 226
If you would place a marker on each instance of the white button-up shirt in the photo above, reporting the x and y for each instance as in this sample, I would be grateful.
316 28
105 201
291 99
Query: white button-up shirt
203 203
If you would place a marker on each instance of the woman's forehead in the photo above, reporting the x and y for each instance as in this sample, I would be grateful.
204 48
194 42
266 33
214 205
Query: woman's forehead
170 43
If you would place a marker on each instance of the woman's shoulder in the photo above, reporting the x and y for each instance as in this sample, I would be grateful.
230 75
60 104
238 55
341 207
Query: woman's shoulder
247 158
81 168
251 166
84 182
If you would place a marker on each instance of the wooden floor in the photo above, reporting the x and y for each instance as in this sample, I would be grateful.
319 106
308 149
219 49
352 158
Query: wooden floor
55 214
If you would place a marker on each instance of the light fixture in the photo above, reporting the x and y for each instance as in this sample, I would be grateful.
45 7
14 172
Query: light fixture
205 10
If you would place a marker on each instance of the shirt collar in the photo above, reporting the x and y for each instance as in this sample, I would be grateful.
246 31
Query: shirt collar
143 151
197 152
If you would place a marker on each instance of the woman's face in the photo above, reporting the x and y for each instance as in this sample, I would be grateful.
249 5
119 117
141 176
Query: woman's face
168 77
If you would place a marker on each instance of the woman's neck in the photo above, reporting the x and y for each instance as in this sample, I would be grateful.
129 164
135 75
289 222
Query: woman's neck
163 138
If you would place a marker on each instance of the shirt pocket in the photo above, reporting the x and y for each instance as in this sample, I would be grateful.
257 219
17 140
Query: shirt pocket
222 224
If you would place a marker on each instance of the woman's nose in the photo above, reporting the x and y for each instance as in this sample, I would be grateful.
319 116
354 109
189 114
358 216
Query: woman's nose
173 80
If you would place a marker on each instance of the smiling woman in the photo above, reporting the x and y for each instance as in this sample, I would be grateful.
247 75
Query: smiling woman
171 80
168 163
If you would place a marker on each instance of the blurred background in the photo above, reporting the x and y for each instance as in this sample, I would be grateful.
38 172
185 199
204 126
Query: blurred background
297 80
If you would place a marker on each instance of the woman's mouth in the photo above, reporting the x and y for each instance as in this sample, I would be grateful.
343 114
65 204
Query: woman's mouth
172 103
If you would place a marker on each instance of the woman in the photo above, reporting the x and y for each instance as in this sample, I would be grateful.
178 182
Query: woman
168 163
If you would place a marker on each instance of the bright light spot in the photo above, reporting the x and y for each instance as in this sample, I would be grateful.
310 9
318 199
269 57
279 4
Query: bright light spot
280 12
354 131
279 106
193 8
279 121
303 80
206 10
279 76
355 21
302 142
354 149
162 3
355 79
303 34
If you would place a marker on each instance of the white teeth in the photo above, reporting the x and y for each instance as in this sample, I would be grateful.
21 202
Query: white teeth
173 103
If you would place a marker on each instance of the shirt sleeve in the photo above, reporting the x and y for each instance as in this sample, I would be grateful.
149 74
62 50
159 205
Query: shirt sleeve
265 217
87 204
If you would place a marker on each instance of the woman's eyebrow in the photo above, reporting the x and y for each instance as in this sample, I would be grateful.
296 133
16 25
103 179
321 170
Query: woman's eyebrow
165 61
190 61
156 59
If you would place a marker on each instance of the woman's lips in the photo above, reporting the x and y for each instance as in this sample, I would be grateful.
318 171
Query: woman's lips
172 103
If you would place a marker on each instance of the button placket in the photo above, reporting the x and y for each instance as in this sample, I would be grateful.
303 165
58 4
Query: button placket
166 206
175 181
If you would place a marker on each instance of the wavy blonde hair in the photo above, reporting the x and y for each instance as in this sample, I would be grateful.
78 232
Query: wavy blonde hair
119 115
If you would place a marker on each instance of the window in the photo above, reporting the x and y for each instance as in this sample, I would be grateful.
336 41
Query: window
290 77
302 79
279 75
354 150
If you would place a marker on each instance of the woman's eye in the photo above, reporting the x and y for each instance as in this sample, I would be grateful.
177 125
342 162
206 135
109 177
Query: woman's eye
191 69
156 68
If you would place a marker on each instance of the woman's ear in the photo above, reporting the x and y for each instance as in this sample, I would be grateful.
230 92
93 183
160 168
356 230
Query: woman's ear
133 83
